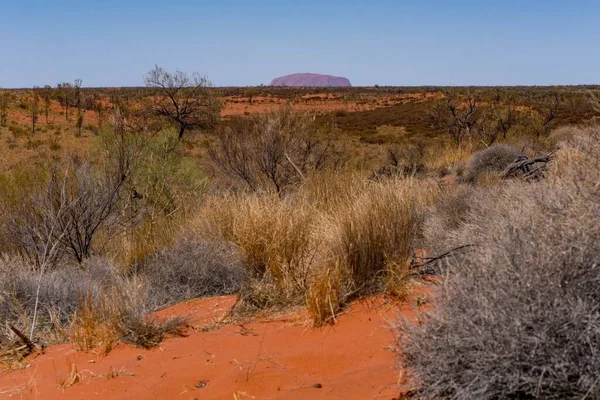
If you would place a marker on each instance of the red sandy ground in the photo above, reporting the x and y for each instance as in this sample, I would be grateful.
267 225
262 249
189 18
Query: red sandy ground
282 358
237 105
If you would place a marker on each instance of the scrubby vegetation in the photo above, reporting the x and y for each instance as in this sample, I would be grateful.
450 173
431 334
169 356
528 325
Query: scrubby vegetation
517 315
107 219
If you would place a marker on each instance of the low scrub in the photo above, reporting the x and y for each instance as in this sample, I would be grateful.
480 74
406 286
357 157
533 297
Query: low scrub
192 268
518 315
494 159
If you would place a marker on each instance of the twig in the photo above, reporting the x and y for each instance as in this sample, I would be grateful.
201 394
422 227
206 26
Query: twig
441 256
15 350
239 298
251 370
294 165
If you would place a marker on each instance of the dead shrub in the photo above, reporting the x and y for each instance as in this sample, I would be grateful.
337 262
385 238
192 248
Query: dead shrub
61 292
402 161
93 304
274 151
450 211
147 331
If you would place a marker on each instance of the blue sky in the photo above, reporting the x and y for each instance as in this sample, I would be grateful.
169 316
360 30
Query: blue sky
245 42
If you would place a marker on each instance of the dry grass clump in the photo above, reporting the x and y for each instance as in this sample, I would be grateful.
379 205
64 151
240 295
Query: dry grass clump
325 244
276 241
328 191
323 295
519 315
494 159
377 227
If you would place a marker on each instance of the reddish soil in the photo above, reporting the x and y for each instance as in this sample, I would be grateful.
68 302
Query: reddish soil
324 102
279 358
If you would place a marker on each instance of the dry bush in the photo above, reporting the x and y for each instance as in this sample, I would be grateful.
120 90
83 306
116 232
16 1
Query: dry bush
275 239
376 228
192 268
61 292
518 315
137 326
449 212
92 303
274 151
448 159
402 161
494 159
329 242
123 311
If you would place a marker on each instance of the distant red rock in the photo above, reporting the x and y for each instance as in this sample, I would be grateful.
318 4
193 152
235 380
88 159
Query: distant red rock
310 80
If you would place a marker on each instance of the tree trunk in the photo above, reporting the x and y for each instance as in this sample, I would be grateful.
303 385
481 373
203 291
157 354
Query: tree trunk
181 130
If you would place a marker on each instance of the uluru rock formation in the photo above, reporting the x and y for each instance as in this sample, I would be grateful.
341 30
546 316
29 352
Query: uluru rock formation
310 80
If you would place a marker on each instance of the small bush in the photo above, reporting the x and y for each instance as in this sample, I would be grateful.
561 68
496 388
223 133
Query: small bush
449 213
145 331
92 304
60 295
192 268
494 159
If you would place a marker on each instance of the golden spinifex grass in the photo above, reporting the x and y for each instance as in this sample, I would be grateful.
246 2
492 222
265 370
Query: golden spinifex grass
329 242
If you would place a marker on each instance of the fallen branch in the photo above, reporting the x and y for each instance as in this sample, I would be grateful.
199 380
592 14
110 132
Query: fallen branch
431 260
527 166
30 345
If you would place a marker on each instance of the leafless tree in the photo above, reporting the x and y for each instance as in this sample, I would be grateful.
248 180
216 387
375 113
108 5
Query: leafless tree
185 101
76 203
504 114
550 110
47 98
4 103
460 120
274 150
496 119
33 108
71 209
65 89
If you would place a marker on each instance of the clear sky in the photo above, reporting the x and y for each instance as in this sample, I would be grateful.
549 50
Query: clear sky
247 42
